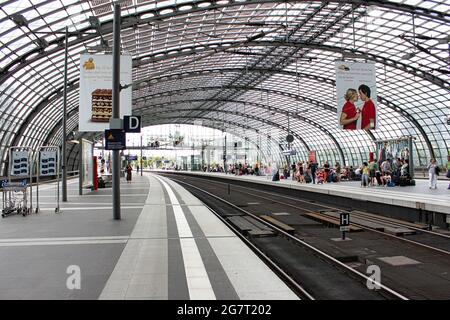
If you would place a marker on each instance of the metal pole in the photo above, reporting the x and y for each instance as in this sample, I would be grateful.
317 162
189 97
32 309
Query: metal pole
411 157
57 179
225 169
30 161
64 126
37 179
116 109
141 156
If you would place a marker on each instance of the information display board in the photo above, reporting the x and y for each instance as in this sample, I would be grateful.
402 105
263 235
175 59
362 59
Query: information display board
115 139
48 163
20 163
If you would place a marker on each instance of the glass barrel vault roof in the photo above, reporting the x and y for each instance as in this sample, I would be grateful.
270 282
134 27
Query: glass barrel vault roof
255 68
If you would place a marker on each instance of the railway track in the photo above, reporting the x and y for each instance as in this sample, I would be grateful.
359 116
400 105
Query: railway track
337 280
430 240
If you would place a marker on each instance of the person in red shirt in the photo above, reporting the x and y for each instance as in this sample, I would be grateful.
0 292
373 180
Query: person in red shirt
368 112
349 114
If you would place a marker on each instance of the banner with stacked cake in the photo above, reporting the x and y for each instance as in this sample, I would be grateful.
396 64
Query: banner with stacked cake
96 90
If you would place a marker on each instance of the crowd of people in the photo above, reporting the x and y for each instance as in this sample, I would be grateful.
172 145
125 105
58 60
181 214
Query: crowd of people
387 173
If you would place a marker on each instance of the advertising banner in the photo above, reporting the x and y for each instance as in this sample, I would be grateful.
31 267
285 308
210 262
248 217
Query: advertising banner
356 94
20 163
87 164
96 90
312 156
48 163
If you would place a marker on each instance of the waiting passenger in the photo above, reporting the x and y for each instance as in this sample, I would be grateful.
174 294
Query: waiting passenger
320 176
326 171
300 172
338 171
313 168
373 167
433 171
405 168
365 175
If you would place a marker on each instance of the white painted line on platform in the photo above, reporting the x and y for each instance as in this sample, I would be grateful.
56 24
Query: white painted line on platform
63 239
15 242
105 195
91 204
59 243
198 282
91 208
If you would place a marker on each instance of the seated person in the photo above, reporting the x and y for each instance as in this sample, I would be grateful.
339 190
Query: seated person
351 173
344 175
320 176
404 171
358 174
386 179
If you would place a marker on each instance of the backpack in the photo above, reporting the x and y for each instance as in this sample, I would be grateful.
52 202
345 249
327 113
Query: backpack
437 170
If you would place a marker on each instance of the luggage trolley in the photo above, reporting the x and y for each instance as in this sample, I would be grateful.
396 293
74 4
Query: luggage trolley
15 194
15 198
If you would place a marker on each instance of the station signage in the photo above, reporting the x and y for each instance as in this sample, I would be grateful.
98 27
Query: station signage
115 139
19 163
344 221
48 163
132 124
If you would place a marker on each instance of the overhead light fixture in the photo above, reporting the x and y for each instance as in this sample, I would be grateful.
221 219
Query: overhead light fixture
255 23
408 55
94 22
42 42
351 55
19 20
257 36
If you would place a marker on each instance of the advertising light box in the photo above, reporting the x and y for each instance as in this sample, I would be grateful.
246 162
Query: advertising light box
96 90
356 94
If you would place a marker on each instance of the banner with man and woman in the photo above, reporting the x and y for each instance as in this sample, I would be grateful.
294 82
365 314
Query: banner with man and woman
356 93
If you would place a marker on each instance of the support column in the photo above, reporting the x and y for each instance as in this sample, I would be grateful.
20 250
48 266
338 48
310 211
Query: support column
116 110
64 125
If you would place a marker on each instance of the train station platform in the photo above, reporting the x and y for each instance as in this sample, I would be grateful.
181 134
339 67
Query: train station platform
168 245
416 197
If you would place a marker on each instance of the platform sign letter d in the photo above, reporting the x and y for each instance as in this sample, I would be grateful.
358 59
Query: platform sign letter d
132 124
74 280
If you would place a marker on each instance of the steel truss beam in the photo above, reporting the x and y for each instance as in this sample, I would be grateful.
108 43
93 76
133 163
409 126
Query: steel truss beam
261 106
233 123
246 89
174 11
382 100
240 114
171 120
222 46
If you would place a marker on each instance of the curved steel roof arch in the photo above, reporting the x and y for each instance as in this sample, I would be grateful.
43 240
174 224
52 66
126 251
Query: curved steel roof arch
135 20
262 106
243 115
255 23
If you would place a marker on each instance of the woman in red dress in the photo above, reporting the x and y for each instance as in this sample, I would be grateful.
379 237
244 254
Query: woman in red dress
349 114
